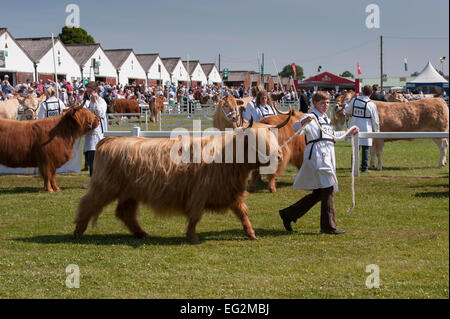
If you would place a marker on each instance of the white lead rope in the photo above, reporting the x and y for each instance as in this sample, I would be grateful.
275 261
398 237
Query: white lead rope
336 139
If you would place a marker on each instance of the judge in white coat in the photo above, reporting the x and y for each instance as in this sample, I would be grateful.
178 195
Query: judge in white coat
96 105
365 116
318 171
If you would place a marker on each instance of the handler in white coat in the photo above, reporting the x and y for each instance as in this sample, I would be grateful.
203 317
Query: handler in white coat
260 108
318 171
96 105
365 116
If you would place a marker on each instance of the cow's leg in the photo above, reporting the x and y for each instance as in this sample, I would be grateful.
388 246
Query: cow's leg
442 144
191 234
379 151
126 211
90 207
46 175
253 181
53 182
372 156
240 209
280 169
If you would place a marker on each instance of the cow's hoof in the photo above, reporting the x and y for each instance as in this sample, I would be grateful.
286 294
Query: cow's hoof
77 235
140 235
252 236
193 239
273 190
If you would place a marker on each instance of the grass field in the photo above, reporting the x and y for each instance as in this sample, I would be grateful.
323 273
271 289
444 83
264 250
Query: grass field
400 223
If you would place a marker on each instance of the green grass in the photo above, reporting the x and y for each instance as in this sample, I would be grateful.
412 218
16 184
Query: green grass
400 223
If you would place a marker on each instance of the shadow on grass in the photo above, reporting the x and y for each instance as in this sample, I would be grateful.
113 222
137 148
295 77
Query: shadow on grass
28 190
264 186
129 240
443 194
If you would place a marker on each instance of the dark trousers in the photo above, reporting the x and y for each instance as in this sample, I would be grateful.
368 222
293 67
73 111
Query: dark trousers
365 157
300 208
90 159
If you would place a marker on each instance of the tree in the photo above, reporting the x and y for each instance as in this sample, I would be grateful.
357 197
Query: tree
347 74
72 35
415 74
440 72
287 72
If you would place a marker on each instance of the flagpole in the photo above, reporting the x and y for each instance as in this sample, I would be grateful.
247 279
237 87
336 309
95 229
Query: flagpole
54 66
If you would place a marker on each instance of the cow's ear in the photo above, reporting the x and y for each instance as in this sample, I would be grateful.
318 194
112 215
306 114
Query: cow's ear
239 102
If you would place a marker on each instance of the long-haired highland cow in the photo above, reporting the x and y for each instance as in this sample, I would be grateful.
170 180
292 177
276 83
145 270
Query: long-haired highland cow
134 170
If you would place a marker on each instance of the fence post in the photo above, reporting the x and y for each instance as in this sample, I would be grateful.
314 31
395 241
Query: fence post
146 120
356 155
136 131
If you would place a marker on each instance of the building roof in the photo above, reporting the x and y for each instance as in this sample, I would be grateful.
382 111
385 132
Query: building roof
235 76
254 77
147 59
3 30
118 56
327 77
207 67
82 52
192 65
429 75
170 63
36 47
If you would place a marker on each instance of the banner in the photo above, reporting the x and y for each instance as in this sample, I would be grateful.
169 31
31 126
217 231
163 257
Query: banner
293 69
406 63
359 69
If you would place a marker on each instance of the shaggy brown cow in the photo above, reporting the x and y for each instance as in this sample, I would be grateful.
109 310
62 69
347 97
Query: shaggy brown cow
44 143
277 97
292 152
156 106
427 115
125 106
149 174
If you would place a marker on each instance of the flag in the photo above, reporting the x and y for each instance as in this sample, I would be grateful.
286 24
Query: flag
359 69
293 69
406 63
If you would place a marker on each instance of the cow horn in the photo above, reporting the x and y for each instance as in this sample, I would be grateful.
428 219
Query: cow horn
291 111
281 112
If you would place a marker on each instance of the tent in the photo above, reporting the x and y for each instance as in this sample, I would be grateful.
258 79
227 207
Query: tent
427 78
327 80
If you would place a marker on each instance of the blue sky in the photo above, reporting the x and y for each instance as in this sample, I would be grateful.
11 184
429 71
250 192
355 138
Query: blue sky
332 34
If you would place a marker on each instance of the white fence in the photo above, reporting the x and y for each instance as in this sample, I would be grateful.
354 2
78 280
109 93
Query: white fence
390 135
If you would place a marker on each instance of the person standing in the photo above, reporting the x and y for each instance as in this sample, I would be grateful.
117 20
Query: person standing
365 117
262 108
318 171
377 95
304 101
96 105
52 106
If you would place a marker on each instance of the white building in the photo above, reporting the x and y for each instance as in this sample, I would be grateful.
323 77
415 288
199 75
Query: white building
93 63
14 61
176 69
197 76
40 51
127 66
212 74
156 72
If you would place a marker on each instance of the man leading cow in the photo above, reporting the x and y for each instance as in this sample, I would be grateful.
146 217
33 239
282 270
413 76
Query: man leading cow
365 117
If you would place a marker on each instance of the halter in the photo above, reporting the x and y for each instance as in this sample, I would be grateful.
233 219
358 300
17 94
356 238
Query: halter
229 114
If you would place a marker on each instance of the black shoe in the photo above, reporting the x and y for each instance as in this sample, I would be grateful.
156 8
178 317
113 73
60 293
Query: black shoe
333 232
286 221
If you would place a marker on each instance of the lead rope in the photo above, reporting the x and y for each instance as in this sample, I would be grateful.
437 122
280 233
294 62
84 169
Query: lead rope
336 139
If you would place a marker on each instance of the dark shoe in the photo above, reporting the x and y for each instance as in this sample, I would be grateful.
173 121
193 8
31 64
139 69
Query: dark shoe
333 232
286 221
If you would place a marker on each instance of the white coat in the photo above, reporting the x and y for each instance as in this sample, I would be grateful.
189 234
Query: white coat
319 163
52 106
258 112
93 137
369 124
